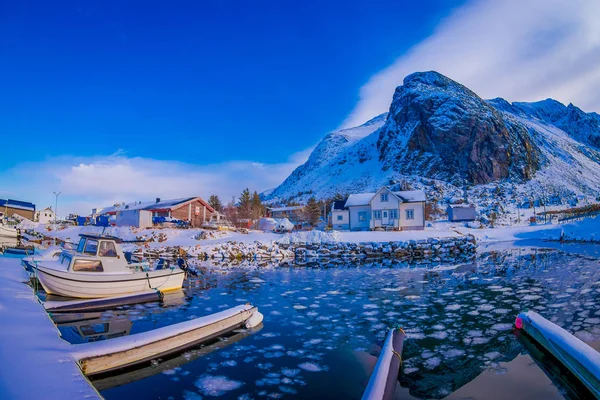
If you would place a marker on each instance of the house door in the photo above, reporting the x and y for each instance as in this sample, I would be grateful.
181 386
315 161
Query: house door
385 217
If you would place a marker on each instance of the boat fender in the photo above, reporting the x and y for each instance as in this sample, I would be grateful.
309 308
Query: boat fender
255 319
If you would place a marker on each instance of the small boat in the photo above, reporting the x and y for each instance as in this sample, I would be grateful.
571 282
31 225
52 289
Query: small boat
384 378
579 358
98 268
8 231
22 250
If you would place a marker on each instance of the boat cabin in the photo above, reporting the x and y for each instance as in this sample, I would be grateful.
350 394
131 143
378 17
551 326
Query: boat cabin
96 253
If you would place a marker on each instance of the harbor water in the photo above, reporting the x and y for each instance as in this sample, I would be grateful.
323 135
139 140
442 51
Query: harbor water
324 326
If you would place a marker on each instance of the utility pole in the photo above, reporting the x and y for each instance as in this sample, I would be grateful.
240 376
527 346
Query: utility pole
544 200
55 212
56 206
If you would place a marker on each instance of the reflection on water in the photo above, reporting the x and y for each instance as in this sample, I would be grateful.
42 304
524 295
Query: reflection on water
321 323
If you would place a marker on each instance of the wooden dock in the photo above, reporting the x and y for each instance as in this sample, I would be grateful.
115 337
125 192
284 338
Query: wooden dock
41 363
37 362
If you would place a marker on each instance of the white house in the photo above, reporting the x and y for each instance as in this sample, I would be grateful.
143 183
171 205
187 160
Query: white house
385 209
45 216
340 216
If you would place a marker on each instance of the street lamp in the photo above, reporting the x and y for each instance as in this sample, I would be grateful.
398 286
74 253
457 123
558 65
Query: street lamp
56 207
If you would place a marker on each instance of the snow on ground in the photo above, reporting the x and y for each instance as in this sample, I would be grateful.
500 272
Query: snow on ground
198 240
33 367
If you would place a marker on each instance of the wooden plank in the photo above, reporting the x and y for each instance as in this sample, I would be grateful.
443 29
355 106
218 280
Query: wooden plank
102 303
163 346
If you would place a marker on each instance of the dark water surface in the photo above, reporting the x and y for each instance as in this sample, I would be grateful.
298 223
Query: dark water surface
323 328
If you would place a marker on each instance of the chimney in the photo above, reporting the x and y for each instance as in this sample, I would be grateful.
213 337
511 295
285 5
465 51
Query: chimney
158 199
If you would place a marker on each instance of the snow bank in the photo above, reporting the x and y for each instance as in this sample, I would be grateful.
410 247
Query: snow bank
316 237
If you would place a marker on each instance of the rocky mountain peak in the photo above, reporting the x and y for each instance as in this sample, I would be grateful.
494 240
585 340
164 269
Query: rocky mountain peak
438 128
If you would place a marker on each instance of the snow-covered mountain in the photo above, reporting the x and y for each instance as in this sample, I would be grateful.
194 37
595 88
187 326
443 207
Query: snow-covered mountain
442 137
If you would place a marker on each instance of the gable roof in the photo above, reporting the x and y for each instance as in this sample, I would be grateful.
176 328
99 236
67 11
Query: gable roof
406 196
155 206
360 199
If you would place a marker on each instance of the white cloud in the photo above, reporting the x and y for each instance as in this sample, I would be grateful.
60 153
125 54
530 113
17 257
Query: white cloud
520 50
88 182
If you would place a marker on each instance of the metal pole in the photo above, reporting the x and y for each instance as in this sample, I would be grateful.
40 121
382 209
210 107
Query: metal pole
55 212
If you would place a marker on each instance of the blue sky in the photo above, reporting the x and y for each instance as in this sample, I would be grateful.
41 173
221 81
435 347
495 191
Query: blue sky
240 79
131 100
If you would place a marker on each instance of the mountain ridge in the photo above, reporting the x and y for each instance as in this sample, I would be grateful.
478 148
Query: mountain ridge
440 136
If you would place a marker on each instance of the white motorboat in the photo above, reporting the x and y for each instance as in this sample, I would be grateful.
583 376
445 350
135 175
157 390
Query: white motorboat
8 231
98 268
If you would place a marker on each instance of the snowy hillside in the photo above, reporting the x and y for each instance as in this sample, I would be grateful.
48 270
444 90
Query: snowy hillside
442 137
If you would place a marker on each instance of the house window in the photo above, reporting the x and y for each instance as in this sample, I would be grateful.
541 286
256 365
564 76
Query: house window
410 214
384 197
394 214
340 218
376 214
362 216
385 214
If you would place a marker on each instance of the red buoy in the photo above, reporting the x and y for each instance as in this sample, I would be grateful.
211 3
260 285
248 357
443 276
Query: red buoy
519 323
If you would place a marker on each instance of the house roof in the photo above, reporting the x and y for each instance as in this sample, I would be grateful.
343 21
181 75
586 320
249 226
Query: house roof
407 196
411 196
339 205
154 206
21 205
289 208
461 205
360 199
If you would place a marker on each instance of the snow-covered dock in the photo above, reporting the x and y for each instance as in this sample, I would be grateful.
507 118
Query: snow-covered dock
36 361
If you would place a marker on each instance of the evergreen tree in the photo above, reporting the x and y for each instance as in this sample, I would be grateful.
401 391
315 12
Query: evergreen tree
215 202
312 211
245 204
257 206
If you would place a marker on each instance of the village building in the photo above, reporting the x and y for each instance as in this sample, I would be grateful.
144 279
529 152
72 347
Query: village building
384 209
340 216
45 216
295 214
192 209
24 209
461 212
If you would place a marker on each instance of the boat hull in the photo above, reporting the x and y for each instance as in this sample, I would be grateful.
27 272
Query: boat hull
95 285
8 232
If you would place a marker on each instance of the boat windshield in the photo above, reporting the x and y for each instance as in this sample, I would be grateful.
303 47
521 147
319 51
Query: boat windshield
91 247
81 245
107 249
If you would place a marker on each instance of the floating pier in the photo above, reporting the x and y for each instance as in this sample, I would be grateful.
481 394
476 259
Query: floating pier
384 378
107 381
576 356
102 303
109 355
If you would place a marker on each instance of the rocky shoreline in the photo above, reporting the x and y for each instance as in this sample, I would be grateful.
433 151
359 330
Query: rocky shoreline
437 249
